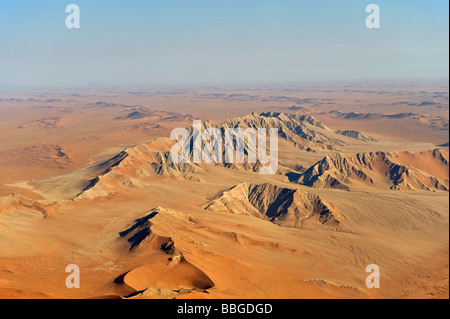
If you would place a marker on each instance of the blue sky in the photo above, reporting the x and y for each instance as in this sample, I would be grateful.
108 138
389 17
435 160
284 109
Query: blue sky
220 41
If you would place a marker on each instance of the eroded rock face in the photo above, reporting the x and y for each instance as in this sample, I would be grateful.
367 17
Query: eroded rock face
304 131
282 206
128 168
397 170
356 135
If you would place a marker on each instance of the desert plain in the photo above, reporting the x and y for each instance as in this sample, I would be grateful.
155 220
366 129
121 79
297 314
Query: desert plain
362 178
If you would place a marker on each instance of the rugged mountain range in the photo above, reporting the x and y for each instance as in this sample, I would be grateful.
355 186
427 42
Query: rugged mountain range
282 206
395 170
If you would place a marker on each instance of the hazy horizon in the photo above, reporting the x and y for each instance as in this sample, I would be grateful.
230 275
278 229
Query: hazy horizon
410 82
176 42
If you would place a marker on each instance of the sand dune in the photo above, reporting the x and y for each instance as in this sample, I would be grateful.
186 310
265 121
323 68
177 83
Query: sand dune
166 279
45 123
15 202
49 154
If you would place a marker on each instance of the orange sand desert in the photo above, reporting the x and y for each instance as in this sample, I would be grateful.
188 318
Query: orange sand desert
363 178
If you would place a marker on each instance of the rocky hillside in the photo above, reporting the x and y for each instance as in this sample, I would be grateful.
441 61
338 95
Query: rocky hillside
282 206
395 170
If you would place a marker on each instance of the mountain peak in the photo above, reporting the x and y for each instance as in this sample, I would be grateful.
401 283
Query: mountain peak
280 205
